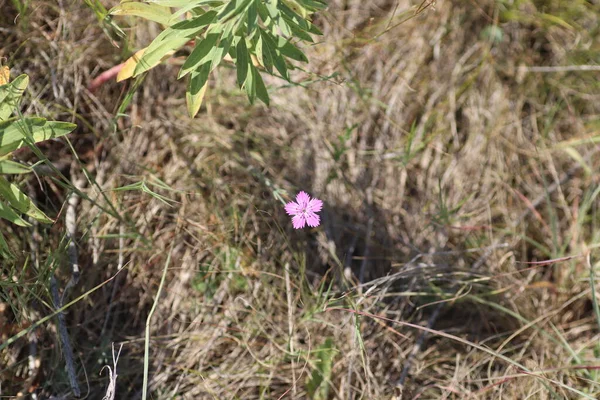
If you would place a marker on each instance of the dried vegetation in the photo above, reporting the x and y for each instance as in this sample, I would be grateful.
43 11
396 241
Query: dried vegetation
445 162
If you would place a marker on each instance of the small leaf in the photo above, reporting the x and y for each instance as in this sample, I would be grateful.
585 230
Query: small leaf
4 249
219 52
129 66
250 86
21 202
252 22
14 133
261 90
172 39
4 75
10 94
152 12
291 51
200 54
258 50
241 62
11 167
273 52
197 89
233 9
8 214
272 8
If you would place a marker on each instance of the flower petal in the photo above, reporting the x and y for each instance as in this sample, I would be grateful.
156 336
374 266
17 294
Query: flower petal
292 208
302 198
298 221
315 205
313 219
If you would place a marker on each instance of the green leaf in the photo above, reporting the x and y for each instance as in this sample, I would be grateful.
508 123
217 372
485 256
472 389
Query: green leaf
4 249
10 94
8 214
152 12
291 51
242 61
258 51
283 26
250 85
200 54
272 8
261 90
297 31
233 9
11 167
273 53
252 22
14 133
313 5
21 202
172 39
196 89
220 51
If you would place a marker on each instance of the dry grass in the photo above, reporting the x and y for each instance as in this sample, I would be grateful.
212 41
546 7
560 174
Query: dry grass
444 165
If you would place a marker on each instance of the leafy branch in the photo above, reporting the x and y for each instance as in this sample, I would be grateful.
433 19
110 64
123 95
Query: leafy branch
255 35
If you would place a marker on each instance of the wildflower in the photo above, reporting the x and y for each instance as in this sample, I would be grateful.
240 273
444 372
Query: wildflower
304 211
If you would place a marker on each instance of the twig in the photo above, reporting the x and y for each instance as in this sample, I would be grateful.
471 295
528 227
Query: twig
71 225
64 338
288 289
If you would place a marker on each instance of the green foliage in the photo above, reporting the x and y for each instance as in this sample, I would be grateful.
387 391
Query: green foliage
254 34
17 132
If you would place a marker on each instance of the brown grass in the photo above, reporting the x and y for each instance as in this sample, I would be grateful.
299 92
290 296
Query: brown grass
443 163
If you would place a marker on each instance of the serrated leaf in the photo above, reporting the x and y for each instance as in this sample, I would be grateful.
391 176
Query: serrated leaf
197 89
14 133
151 12
11 167
10 94
172 39
241 62
21 202
8 214
200 54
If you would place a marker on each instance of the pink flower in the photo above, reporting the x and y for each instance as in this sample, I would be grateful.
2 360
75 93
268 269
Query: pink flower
304 211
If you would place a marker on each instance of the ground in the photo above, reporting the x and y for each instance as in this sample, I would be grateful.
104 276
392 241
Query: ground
454 145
